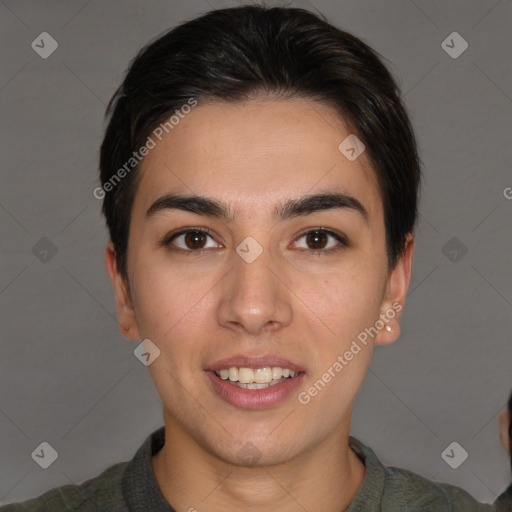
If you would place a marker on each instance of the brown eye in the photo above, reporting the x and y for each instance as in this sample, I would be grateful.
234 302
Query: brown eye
190 240
322 241
194 239
316 239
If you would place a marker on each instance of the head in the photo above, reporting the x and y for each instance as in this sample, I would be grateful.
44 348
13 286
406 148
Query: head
505 427
232 125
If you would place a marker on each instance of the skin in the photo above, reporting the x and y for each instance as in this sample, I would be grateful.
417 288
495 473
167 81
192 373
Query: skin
504 420
290 301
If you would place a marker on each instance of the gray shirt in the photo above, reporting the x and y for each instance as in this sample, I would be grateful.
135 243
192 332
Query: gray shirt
132 486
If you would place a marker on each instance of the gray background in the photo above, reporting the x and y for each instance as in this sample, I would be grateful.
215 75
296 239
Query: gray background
68 377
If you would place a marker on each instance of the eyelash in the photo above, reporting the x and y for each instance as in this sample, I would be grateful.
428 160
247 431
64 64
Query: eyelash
343 242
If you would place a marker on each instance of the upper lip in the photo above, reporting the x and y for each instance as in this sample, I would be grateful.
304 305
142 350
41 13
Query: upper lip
241 361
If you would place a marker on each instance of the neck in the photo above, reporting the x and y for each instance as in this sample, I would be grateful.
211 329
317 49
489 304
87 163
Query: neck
325 478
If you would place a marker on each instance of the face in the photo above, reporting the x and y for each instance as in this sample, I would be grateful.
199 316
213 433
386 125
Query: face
276 281
504 421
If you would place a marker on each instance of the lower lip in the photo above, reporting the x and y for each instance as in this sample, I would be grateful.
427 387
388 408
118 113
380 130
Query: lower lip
255 398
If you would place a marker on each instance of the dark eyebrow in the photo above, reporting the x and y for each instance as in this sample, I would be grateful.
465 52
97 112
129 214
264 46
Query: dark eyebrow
319 202
291 208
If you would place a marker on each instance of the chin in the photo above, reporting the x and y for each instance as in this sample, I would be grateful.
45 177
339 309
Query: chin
257 452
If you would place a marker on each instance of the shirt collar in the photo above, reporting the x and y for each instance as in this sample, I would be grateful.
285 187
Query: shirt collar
139 485
369 496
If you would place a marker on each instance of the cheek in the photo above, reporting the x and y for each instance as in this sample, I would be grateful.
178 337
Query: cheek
160 301
347 302
348 307
338 321
172 312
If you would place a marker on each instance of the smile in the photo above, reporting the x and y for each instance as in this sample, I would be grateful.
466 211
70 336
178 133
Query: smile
257 378
255 395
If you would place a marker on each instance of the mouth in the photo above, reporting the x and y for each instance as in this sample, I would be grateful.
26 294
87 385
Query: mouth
255 378
255 383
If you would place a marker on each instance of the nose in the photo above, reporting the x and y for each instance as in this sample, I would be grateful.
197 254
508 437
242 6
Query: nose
254 296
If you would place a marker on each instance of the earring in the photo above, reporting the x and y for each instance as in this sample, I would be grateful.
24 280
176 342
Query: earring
388 328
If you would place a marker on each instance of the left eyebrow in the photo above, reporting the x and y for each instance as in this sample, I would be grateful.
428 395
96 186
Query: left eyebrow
320 202
306 205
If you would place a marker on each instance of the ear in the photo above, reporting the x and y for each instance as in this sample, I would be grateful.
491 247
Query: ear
125 311
395 294
504 420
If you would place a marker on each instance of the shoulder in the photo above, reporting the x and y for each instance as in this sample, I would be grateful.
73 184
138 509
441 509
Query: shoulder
504 501
103 492
124 486
391 488
422 494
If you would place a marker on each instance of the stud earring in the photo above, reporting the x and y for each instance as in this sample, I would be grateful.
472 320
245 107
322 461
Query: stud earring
388 328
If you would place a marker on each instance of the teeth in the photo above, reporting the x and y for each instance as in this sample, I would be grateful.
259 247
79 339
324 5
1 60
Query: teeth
263 375
233 374
254 385
277 372
259 377
246 375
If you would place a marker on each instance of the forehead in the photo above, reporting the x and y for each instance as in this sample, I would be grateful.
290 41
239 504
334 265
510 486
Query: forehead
256 153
